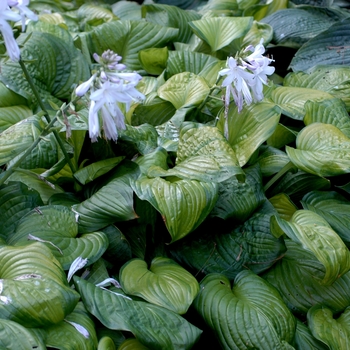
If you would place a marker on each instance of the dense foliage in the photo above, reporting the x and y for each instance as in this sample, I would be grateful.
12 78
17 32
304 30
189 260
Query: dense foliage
196 222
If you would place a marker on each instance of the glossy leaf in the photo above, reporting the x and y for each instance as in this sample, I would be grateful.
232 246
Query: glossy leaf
322 149
77 331
33 271
251 127
220 32
15 336
183 204
251 315
272 160
165 283
301 266
330 331
328 47
153 326
333 207
132 344
113 202
12 115
171 16
305 340
127 38
284 206
249 246
314 234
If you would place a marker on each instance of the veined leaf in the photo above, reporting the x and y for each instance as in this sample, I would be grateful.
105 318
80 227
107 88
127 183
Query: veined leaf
322 149
334 79
305 340
77 331
284 206
16 201
127 38
314 234
272 160
249 246
132 344
154 60
127 10
239 200
165 283
184 90
302 268
112 203
154 326
251 315
15 336
183 204
171 16
34 288
247 130
220 32
333 332
291 100
203 154
12 115
295 26
333 207
328 47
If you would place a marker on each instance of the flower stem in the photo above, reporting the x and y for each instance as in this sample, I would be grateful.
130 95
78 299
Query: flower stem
4 176
46 115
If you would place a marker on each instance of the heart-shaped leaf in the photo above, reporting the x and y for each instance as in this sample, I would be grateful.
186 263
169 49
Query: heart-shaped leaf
251 315
322 149
165 283
183 204
154 326
314 234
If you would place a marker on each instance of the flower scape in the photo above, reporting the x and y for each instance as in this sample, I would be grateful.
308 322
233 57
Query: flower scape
174 176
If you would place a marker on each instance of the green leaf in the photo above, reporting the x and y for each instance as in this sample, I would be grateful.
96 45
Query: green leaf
251 315
154 326
257 32
284 206
165 283
296 185
15 336
247 130
203 154
77 331
297 277
272 160
294 26
127 38
19 137
334 79
127 10
184 90
16 201
281 136
248 246
305 340
332 332
314 234
91 15
55 65
238 200
12 115
93 171
132 344
10 98
35 181
322 149
328 112
56 226
154 60
291 100
333 207
221 32
111 203
183 204
34 288
171 16
328 47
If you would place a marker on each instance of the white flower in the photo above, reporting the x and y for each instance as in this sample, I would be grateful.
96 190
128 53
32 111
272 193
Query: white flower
104 101
24 11
10 42
83 88
237 83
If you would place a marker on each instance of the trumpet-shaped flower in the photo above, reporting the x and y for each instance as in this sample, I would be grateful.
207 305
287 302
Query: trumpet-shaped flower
24 11
104 103
237 83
